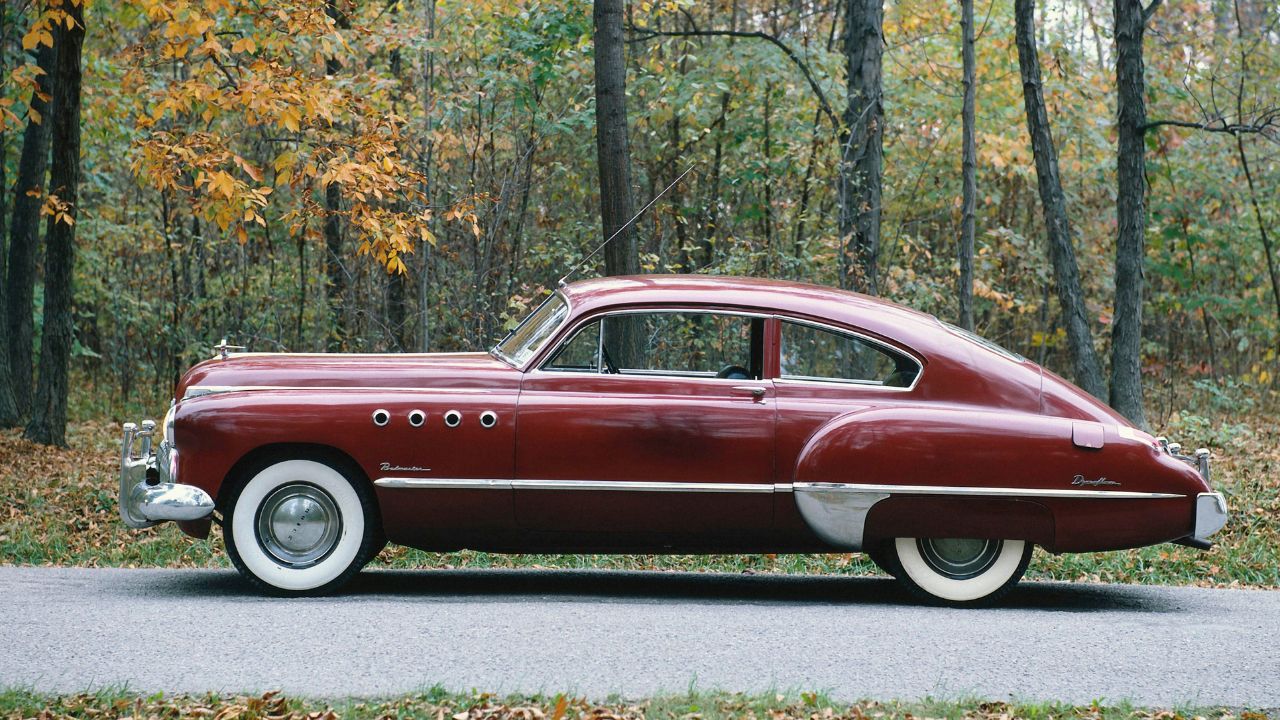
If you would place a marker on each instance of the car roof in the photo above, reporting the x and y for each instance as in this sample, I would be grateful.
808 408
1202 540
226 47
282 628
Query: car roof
819 302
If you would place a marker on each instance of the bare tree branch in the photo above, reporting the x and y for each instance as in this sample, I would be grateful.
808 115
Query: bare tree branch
1219 125
646 34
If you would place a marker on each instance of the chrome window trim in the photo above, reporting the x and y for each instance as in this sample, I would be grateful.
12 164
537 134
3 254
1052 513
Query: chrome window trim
569 338
494 351
667 309
662 377
861 336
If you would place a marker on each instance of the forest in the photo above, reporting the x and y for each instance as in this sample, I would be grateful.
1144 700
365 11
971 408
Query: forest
1093 185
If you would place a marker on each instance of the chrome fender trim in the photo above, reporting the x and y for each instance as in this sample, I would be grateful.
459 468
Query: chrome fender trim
837 512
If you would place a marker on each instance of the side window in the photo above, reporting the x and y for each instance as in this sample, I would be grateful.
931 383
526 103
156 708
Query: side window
580 354
811 353
683 343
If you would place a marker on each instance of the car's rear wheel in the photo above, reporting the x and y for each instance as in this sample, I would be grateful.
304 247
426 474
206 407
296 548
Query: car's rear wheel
300 527
960 571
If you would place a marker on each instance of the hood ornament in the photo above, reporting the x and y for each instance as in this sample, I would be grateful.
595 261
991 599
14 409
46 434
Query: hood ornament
222 349
1080 480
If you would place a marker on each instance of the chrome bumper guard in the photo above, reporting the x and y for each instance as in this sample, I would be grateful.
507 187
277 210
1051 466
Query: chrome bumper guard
1211 507
148 495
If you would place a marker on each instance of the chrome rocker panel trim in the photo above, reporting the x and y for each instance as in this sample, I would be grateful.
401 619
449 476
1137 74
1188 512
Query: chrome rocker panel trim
145 503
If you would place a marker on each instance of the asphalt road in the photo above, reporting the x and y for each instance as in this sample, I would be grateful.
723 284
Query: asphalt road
597 633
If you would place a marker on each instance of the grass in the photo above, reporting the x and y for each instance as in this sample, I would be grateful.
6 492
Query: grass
57 507
437 704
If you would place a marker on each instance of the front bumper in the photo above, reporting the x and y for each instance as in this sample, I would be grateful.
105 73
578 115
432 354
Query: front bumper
148 493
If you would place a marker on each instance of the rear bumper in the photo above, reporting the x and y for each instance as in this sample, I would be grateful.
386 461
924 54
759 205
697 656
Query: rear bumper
148 491
1211 507
1211 515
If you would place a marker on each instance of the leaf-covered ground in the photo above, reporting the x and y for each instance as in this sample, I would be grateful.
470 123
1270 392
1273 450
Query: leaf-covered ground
57 507
439 705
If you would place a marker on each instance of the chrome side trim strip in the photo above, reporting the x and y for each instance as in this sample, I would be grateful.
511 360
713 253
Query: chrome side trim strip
983 491
642 486
444 483
803 487
201 390
598 485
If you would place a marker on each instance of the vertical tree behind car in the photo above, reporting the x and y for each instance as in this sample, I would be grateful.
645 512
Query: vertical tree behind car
861 145
1088 373
969 170
1131 210
621 256
24 234
49 410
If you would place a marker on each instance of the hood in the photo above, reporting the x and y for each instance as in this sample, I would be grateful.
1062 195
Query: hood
324 370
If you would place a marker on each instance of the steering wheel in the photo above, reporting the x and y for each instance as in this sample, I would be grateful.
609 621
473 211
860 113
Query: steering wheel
734 372
608 361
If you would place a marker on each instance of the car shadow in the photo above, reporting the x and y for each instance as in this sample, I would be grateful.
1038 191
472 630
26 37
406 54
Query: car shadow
495 585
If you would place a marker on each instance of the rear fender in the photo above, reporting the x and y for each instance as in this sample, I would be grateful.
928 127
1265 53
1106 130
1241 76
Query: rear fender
979 473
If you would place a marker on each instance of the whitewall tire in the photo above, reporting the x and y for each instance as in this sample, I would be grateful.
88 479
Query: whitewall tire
300 527
958 571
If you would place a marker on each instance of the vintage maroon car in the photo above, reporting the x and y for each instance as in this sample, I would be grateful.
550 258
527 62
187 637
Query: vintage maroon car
660 414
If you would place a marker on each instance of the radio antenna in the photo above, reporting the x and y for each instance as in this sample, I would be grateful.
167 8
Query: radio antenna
624 226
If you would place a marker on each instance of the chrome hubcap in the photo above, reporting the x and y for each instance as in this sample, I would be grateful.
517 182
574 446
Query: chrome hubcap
298 525
959 558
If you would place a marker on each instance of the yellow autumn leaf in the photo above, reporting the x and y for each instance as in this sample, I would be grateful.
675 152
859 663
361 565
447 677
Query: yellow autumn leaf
223 184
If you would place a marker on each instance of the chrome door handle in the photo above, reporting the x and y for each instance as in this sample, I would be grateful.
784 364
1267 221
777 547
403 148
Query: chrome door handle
755 391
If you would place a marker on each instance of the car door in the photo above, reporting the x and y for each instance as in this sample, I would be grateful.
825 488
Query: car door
649 421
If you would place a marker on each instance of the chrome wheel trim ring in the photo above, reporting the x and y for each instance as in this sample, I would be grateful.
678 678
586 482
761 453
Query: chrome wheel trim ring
959 558
298 525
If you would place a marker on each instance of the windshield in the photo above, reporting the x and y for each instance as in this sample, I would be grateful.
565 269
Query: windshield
534 331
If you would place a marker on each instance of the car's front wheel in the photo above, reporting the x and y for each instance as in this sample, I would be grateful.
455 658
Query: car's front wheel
300 527
960 571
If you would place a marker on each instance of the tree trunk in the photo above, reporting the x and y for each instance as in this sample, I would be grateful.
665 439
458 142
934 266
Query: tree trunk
968 170
335 272
621 256
49 411
1066 272
1242 24
1131 212
24 235
428 165
862 146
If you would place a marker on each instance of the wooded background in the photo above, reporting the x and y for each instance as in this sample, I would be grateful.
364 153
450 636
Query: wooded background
1092 185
